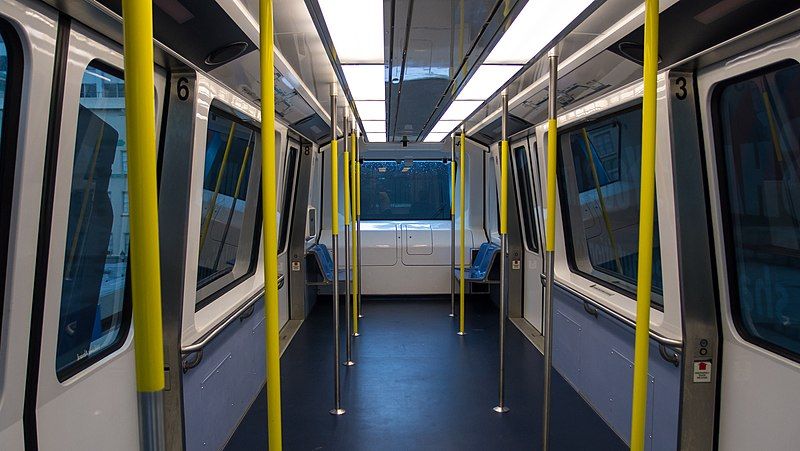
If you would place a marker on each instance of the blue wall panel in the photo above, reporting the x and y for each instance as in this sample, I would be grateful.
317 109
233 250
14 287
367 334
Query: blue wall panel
218 392
595 355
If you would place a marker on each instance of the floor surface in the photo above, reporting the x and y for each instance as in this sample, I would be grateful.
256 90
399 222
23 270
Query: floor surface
417 385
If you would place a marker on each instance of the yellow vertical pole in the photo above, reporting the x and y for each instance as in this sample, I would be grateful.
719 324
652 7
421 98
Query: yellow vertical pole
354 309
357 152
348 273
452 225
269 199
550 245
646 215
501 391
140 121
462 202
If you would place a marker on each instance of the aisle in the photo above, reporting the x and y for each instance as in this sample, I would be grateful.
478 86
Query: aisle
419 386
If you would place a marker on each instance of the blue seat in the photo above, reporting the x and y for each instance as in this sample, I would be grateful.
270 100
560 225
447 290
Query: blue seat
482 264
325 262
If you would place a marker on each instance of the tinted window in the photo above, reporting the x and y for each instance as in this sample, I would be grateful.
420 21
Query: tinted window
290 179
405 190
228 198
10 81
94 311
757 127
525 191
600 170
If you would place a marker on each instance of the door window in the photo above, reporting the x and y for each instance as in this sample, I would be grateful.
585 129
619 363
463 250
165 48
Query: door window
757 128
95 306
405 190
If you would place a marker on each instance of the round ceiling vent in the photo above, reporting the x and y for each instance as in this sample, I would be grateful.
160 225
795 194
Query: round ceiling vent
226 53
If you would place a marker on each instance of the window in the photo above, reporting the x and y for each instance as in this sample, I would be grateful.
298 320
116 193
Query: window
527 200
95 310
229 227
757 125
405 190
11 65
290 180
600 170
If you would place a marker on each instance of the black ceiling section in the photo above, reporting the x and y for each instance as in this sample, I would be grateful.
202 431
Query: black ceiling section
689 27
493 131
194 29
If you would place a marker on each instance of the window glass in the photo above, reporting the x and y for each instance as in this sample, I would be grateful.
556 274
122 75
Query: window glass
525 184
290 180
10 81
758 132
601 176
227 197
405 190
94 311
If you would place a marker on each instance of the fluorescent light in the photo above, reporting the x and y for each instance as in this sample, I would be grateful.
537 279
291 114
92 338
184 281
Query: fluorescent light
371 110
445 126
356 29
486 81
366 81
460 110
435 137
376 137
374 126
539 22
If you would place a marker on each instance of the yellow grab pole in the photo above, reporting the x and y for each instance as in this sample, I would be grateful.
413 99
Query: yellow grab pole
462 202
140 122
550 245
501 405
452 225
352 192
349 340
356 152
270 207
646 214
223 165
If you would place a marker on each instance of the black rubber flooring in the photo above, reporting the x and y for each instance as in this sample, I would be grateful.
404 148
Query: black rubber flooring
419 386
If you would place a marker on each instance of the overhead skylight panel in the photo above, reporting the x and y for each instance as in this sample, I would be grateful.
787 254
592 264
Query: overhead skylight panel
371 110
376 137
486 81
539 22
435 137
460 110
356 29
366 81
374 126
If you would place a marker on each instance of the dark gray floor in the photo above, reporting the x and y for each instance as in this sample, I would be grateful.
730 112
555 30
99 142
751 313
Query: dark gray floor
417 385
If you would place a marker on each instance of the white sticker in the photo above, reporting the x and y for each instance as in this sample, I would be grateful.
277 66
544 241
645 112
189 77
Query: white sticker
702 371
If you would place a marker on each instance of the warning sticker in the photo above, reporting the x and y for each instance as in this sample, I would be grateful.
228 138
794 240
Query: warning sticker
702 371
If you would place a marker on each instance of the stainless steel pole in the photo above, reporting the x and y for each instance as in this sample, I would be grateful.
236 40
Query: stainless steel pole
337 395
348 328
452 225
357 184
550 251
501 407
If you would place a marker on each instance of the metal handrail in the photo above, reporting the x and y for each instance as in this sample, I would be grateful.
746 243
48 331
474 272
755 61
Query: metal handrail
211 334
676 344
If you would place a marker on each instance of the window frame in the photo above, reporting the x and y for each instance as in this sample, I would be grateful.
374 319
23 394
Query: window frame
565 207
729 243
81 365
9 135
208 292
449 195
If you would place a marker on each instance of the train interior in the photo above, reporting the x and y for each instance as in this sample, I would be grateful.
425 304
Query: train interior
423 302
